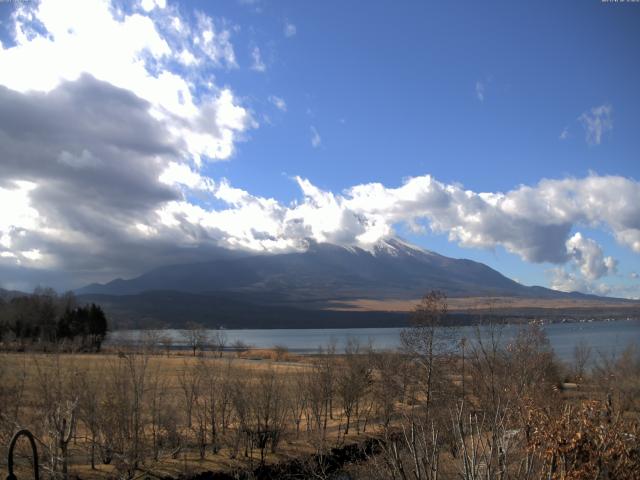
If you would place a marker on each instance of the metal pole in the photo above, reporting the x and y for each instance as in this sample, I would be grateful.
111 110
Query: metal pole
12 445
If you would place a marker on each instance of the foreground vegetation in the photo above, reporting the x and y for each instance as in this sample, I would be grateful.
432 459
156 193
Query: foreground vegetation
45 320
443 407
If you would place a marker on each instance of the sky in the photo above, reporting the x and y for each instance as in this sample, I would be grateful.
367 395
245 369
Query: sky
148 133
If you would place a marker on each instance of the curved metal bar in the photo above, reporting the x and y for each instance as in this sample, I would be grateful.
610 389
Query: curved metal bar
12 444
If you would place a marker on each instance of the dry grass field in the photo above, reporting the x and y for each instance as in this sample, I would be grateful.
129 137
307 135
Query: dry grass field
45 379
474 304
506 410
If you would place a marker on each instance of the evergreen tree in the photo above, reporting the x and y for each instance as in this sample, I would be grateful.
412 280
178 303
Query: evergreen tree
46 317
97 326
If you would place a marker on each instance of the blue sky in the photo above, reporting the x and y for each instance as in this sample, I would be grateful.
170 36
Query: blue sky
490 97
403 80
392 89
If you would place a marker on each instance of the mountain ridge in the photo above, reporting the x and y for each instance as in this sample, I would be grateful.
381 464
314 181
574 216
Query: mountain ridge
391 268
329 286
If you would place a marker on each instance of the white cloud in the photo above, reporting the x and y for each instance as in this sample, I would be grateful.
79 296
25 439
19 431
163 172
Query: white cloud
258 65
588 265
316 140
102 154
634 275
154 215
99 128
532 222
480 90
187 58
131 51
289 29
148 5
588 256
17 217
17 210
181 174
596 123
251 222
564 134
567 281
571 282
279 103
32 254
213 41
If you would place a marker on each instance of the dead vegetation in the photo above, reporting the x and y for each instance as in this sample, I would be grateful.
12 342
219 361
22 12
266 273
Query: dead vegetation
441 408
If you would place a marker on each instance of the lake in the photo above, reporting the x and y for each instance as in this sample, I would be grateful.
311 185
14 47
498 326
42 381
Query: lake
606 337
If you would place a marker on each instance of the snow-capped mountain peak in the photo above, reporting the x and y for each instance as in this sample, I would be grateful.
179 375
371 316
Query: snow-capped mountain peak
396 247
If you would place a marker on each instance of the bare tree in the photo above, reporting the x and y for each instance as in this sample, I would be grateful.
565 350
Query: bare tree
196 336
213 403
487 364
189 380
463 371
281 353
90 390
268 410
167 342
58 409
239 388
617 377
13 380
426 340
353 381
317 403
388 387
532 371
413 450
227 376
150 340
240 347
136 366
298 398
209 404
581 357
200 428
122 417
62 425
156 405
481 456
327 357
219 341
51 394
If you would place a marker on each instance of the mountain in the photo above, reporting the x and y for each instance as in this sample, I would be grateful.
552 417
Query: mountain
326 286
391 269
329 286
8 295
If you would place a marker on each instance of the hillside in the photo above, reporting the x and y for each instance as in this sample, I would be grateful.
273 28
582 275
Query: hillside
392 269
332 286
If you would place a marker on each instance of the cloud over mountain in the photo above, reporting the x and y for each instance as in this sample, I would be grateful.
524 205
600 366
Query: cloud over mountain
107 158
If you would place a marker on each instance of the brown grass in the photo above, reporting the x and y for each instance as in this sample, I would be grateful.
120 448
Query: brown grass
188 462
482 303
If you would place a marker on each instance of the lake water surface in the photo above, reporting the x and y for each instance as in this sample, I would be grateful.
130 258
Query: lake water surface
604 337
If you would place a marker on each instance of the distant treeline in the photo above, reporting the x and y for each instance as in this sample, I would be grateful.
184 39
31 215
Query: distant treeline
45 318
